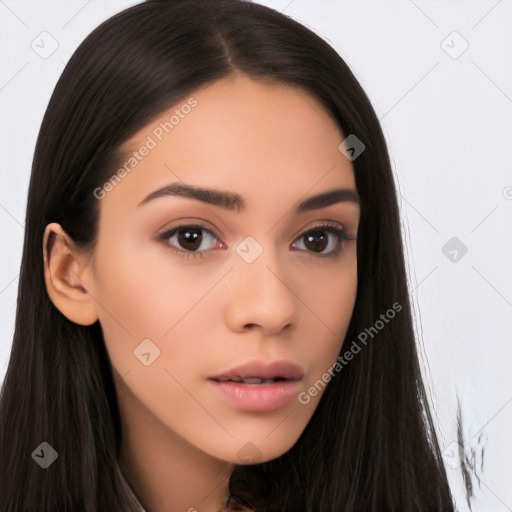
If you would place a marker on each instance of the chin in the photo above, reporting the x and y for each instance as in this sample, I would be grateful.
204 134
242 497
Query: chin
258 449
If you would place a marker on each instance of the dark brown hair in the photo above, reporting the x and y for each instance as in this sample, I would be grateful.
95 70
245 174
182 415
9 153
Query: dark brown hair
371 444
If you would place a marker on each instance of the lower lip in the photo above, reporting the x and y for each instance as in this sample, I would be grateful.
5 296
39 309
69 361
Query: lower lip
259 397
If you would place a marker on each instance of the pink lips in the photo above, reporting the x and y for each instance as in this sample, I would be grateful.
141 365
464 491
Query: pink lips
259 385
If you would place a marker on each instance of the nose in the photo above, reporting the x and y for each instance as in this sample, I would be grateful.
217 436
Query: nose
259 297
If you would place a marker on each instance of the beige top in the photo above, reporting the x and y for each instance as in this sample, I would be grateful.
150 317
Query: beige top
130 491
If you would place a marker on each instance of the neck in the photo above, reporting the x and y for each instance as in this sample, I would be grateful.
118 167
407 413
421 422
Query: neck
166 473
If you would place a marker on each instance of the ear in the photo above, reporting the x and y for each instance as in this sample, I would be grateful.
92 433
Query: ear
64 265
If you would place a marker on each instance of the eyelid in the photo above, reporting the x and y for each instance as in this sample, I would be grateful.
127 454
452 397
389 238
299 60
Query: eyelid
320 224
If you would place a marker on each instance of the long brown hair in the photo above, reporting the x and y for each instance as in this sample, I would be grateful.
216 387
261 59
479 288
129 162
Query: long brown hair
371 444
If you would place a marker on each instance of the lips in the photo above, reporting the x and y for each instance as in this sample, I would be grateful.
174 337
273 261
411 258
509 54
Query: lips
259 386
261 372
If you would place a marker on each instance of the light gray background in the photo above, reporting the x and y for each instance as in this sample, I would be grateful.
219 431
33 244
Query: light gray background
447 116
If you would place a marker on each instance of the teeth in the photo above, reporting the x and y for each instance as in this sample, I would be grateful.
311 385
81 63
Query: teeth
255 380
248 380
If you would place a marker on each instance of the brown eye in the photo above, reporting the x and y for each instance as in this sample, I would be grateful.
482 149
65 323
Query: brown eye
316 240
190 239
322 240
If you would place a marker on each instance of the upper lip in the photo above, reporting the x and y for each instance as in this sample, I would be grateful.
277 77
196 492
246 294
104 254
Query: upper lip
265 370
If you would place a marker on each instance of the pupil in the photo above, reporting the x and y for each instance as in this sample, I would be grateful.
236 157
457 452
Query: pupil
190 236
317 240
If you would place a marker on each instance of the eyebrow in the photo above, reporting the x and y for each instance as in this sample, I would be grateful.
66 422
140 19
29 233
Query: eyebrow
235 202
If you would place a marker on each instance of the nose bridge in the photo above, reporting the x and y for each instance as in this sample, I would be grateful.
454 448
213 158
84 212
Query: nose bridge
259 293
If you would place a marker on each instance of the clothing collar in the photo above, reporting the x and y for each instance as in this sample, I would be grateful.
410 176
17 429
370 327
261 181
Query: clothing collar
231 503
131 493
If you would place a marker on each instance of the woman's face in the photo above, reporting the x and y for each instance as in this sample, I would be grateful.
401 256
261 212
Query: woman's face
189 286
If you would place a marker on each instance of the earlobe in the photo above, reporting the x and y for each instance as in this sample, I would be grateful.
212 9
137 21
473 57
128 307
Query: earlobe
64 264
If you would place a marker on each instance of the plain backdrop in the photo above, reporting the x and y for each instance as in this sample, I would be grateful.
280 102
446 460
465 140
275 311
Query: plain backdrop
439 74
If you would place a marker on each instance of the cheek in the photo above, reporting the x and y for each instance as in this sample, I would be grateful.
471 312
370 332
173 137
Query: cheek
136 298
328 308
145 293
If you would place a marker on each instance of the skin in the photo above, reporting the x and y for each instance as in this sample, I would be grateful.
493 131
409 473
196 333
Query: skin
274 145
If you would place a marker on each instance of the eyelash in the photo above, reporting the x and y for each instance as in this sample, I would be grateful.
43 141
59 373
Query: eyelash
326 226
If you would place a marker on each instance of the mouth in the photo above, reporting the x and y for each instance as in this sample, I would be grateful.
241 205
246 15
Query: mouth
260 386
261 373
252 381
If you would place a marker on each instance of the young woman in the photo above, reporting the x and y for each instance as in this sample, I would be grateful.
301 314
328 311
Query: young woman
213 309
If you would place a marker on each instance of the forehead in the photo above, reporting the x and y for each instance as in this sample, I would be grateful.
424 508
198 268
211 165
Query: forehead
243 134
